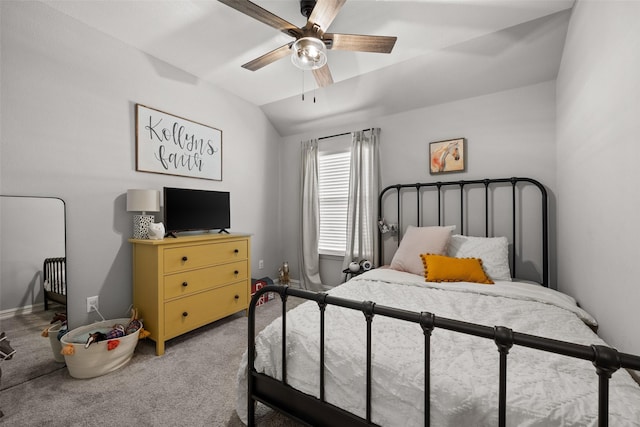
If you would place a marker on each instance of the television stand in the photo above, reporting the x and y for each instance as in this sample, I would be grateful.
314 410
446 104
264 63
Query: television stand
222 230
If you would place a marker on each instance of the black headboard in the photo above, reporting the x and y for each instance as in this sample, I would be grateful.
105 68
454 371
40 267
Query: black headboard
461 203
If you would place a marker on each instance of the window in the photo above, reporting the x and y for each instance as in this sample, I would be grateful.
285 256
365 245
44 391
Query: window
333 191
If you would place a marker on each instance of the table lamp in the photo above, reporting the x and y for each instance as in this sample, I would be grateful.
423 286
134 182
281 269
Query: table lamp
142 201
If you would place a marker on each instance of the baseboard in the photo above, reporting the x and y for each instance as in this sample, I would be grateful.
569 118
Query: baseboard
28 309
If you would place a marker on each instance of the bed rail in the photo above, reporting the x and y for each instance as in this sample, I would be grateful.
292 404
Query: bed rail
486 185
316 411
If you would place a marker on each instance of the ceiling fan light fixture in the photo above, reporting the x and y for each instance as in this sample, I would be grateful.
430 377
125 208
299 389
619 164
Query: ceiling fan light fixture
309 53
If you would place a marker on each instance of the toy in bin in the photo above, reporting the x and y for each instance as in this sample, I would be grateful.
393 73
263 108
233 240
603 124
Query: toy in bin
257 284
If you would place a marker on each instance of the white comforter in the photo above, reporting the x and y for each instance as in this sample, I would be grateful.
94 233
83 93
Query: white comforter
542 389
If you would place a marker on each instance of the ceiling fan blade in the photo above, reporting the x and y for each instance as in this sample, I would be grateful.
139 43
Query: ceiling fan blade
323 76
264 16
324 12
268 58
361 43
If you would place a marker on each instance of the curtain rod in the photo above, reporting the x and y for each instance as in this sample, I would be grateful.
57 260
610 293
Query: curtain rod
341 134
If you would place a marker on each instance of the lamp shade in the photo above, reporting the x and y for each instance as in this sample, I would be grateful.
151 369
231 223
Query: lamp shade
143 200
309 53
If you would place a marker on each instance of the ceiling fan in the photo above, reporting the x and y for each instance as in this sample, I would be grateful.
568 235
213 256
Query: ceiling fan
309 49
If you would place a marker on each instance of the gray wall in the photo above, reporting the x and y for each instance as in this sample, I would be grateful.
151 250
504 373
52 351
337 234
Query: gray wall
510 133
67 100
598 115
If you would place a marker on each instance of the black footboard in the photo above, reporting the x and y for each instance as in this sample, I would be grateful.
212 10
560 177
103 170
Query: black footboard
316 411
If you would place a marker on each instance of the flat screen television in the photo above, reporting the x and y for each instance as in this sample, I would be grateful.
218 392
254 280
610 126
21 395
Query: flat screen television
196 210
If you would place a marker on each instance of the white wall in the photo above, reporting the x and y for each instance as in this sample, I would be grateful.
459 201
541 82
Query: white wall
510 133
598 115
67 99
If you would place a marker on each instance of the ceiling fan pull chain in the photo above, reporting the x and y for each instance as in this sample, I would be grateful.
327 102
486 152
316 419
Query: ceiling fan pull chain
302 85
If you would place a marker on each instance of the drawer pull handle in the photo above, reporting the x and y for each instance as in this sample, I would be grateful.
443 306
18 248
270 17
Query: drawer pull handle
235 251
236 272
185 284
237 297
185 314
185 259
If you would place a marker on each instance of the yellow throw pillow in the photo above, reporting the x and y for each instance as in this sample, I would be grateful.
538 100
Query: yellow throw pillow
440 268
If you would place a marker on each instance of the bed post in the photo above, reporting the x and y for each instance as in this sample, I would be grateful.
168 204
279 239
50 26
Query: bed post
427 322
503 338
486 207
461 184
607 361
367 309
322 305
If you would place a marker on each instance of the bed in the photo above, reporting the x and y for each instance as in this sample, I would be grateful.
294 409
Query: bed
389 348
54 281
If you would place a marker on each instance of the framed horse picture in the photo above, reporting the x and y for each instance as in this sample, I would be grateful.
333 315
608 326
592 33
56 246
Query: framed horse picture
447 156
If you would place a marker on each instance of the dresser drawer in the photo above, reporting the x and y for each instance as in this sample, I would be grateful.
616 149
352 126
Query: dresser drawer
188 282
193 311
196 256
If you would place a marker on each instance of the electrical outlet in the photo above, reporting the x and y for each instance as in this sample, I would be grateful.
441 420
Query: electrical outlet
261 264
92 303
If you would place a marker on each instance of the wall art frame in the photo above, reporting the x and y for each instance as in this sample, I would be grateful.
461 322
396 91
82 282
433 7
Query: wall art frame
448 156
172 145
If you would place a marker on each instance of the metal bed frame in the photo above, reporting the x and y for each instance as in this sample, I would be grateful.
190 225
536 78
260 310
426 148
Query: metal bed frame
314 411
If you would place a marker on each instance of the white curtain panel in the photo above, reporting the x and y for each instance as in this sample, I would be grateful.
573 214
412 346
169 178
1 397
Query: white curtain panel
310 220
364 185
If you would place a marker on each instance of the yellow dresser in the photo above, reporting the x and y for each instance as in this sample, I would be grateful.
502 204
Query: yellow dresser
180 284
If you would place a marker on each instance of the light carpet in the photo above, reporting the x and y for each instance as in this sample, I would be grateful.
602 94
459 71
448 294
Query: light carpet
192 384
34 357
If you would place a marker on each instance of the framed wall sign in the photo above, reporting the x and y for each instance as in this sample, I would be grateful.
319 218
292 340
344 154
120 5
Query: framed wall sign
173 145
447 156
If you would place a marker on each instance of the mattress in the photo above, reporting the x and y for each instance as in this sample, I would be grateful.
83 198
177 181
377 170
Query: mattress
543 389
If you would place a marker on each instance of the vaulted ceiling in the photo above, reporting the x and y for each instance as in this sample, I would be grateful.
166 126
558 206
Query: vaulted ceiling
446 50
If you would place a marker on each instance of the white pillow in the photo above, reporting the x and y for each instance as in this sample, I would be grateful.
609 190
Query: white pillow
493 251
417 241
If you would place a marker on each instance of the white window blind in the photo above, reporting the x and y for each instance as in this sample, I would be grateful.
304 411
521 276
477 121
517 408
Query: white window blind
333 189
